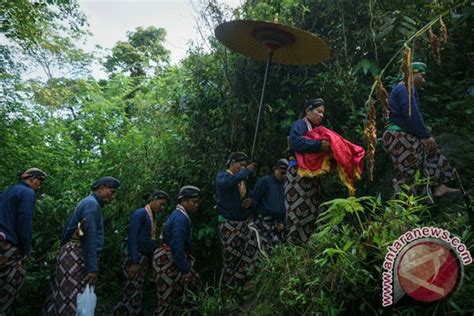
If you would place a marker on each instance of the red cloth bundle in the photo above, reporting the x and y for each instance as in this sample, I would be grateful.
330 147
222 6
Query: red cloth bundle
348 158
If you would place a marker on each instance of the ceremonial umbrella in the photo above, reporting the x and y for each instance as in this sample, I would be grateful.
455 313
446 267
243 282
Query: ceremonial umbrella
272 42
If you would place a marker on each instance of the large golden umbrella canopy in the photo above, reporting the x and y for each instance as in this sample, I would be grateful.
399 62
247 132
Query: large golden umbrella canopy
272 42
255 39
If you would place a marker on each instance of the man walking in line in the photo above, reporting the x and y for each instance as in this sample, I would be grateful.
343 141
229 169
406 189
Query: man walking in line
81 243
141 241
17 205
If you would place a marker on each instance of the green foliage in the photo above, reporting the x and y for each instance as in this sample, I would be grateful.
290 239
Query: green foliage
43 33
340 270
26 21
142 53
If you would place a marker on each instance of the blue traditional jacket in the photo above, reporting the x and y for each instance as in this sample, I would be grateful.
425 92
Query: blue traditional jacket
300 144
16 216
228 195
90 210
398 106
139 235
268 198
177 235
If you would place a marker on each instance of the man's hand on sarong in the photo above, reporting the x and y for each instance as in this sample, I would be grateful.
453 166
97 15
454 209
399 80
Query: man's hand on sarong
325 146
280 227
91 278
247 203
189 277
430 145
133 270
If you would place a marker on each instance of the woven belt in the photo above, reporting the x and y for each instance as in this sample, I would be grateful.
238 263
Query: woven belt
74 241
168 248
165 247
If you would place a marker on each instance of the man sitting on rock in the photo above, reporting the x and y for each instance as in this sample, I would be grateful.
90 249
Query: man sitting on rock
410 144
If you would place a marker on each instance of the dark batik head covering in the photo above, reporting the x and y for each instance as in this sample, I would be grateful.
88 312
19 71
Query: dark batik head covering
237 156
32 172
312 104
418 67
282 164
188 192
108 181
158 195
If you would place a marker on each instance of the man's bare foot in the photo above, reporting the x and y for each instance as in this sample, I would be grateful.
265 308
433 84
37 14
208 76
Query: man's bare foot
442 189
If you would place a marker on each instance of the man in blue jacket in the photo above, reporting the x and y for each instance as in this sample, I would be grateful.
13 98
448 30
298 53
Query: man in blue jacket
141 241
17 205
268 199
239 243
172 262
82 241
410 144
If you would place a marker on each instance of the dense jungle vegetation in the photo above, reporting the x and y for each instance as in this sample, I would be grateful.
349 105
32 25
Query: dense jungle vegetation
156 125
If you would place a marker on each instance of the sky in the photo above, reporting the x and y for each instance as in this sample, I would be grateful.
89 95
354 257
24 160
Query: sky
110 20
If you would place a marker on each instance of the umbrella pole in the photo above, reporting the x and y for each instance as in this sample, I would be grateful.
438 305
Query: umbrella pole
269 61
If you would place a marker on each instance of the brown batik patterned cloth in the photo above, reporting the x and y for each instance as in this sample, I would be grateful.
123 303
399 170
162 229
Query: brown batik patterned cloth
268 233
169 286
302 199
408 156
12 276
132 294
68 282
240 251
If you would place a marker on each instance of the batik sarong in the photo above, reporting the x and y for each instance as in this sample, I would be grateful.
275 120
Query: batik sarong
68 282
240 251
408 156
170 287
12 276
302 199
268 233
132 294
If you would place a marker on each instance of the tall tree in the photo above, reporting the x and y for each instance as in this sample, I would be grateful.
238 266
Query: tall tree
37 29
141 55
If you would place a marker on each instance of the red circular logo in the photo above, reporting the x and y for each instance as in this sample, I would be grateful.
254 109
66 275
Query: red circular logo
428 271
